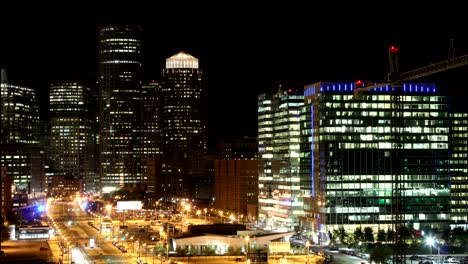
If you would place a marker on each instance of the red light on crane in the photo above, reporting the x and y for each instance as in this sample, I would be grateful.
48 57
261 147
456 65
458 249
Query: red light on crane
359 83
393 49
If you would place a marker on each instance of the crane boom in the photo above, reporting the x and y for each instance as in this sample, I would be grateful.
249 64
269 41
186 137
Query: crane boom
419 73
435 68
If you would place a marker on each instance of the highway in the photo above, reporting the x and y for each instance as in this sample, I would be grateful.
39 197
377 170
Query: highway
74 234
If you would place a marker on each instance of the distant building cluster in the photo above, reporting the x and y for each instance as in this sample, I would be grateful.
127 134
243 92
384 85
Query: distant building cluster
325 157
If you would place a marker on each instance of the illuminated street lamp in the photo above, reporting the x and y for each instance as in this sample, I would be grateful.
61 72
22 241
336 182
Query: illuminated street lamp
167 250
198 214
187 210
307 245
232 217
431 242
144 248
108 209
68 251
247 238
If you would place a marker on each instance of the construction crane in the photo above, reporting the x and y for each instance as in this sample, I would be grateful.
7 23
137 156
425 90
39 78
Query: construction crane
395 80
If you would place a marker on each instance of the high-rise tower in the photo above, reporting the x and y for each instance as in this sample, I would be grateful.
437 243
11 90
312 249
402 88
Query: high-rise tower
459 170
19 141
72 138
279 195
120 74
183 117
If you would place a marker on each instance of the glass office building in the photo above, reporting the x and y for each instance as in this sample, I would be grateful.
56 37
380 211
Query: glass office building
183 112
350 174
120 82
72 134
20 151
280 201
459 170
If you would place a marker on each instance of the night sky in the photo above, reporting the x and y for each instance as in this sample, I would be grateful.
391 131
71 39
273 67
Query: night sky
245 50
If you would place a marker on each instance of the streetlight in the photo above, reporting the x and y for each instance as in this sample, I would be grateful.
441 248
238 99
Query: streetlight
247 238
138 250
187 210
108 209
167 250
431 242
198 215
307 245
68 252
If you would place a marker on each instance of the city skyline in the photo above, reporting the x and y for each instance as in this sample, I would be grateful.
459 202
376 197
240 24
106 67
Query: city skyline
242 57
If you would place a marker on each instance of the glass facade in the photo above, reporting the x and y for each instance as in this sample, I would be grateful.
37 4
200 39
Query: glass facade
347 156
183 125
19 141
72 138
120 70
459 170
151 134
280 200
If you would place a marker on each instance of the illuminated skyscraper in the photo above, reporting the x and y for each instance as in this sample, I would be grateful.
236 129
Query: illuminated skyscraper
349 173
120 73
183 125
279 195
72 139
459 170
20 152
151 135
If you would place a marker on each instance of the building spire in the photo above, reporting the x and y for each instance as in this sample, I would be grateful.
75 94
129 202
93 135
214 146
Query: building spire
3 78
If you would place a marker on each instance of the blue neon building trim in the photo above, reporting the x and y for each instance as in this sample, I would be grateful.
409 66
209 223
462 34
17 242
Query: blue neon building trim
312 193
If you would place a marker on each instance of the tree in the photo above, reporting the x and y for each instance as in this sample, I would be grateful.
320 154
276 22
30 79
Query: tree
380 254
341 234
358 234
404 232
368 234
458 237
381 236
390 235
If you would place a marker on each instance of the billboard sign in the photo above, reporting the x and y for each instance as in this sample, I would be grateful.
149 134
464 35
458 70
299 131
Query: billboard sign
258 257
280 247
129 205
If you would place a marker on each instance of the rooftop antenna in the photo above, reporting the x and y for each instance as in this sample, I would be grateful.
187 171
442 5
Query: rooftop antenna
451 51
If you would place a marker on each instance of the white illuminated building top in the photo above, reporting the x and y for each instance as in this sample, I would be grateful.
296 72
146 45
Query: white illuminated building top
182 60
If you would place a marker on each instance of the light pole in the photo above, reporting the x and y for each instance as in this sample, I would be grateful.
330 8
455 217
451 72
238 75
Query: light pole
198 215
307 245
167 250
431 242
138 250
247 238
